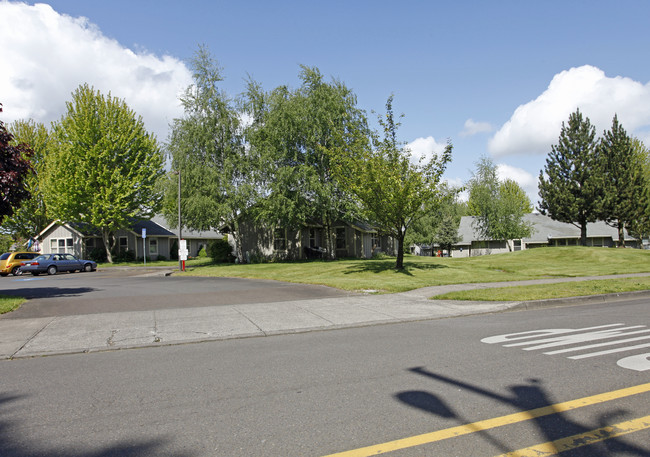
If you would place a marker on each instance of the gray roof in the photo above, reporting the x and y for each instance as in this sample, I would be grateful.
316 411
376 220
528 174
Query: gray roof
187 233
544 229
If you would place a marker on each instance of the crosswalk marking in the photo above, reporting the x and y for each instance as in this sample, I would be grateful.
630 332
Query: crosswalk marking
580 340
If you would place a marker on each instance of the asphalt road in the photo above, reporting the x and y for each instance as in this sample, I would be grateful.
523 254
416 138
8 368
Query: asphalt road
321 393
115 290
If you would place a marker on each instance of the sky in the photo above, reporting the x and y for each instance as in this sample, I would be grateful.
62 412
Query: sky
496 78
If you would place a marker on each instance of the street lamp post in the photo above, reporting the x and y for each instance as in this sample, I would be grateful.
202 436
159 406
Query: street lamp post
180 224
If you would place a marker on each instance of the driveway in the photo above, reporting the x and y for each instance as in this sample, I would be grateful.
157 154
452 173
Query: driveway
112 291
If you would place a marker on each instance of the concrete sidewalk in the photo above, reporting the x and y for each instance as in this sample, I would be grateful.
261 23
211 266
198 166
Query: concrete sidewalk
112 331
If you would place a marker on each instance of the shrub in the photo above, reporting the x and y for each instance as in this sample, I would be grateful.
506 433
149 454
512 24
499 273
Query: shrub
124 256
173 251
220 251
97 254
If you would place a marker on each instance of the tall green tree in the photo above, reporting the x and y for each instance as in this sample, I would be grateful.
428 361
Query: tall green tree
31 217
625 184
105 166
499 206
15 169
639 226
571 183
391 189
292 130
218 184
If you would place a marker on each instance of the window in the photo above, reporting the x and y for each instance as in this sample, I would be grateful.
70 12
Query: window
340 238
312 238
153 246
90 243
61 245
374 241
124 244
280 240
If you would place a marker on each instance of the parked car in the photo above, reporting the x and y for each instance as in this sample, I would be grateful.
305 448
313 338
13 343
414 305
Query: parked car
10 262
53 263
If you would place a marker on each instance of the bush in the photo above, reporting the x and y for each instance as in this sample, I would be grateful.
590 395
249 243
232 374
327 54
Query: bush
202 252
161 258
124 256
97 254
220 251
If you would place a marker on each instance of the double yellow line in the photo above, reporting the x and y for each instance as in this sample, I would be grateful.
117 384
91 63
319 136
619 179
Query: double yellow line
550 448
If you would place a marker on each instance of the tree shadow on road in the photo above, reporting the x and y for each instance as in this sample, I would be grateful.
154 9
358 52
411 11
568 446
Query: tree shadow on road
48 292
524 397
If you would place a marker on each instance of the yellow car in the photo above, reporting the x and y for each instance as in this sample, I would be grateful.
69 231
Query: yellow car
10 261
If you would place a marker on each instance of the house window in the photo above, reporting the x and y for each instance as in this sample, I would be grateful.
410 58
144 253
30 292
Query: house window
374 241
153 246
312 238
123 244
61 245
280 240
340 238
90 243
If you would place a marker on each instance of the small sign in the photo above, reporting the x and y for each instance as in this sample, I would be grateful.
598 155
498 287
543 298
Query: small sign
183 245
144 232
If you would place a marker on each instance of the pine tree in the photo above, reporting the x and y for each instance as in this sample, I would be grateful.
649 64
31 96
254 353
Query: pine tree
624 180
571 184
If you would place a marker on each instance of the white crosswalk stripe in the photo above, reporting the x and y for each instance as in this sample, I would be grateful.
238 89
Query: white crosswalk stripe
616 334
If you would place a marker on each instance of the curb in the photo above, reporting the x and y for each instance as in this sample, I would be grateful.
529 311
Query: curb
577 301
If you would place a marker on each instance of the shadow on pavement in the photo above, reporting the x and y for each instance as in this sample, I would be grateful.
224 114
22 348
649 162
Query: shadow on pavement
48 292
524 397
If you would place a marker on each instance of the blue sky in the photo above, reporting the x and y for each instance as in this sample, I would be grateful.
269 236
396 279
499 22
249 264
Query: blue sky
496 78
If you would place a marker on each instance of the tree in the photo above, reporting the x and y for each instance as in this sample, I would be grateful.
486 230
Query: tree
292 131
440 221
499 206
639 226
31 217
206 147
391 189
571 183
625 184
104 168
15 169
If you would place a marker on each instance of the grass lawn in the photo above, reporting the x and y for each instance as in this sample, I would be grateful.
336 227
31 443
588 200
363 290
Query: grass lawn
10 303
197 261
542 292
380 275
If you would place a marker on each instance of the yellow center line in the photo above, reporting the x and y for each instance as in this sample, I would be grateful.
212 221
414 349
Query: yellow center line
582 439
487 424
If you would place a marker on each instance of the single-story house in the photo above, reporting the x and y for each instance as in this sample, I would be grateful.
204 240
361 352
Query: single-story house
545 232
81 239
196 239
356 239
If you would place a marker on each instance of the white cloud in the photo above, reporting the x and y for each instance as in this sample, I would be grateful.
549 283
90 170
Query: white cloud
47 55
473 128
535 126
425 148
526 180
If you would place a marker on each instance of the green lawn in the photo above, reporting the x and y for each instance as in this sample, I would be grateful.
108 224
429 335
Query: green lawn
543 292
10 303
419 272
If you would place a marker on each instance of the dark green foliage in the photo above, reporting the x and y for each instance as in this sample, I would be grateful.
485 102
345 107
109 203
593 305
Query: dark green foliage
97 254
292 132
624 183
220 251
571 184
124 257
